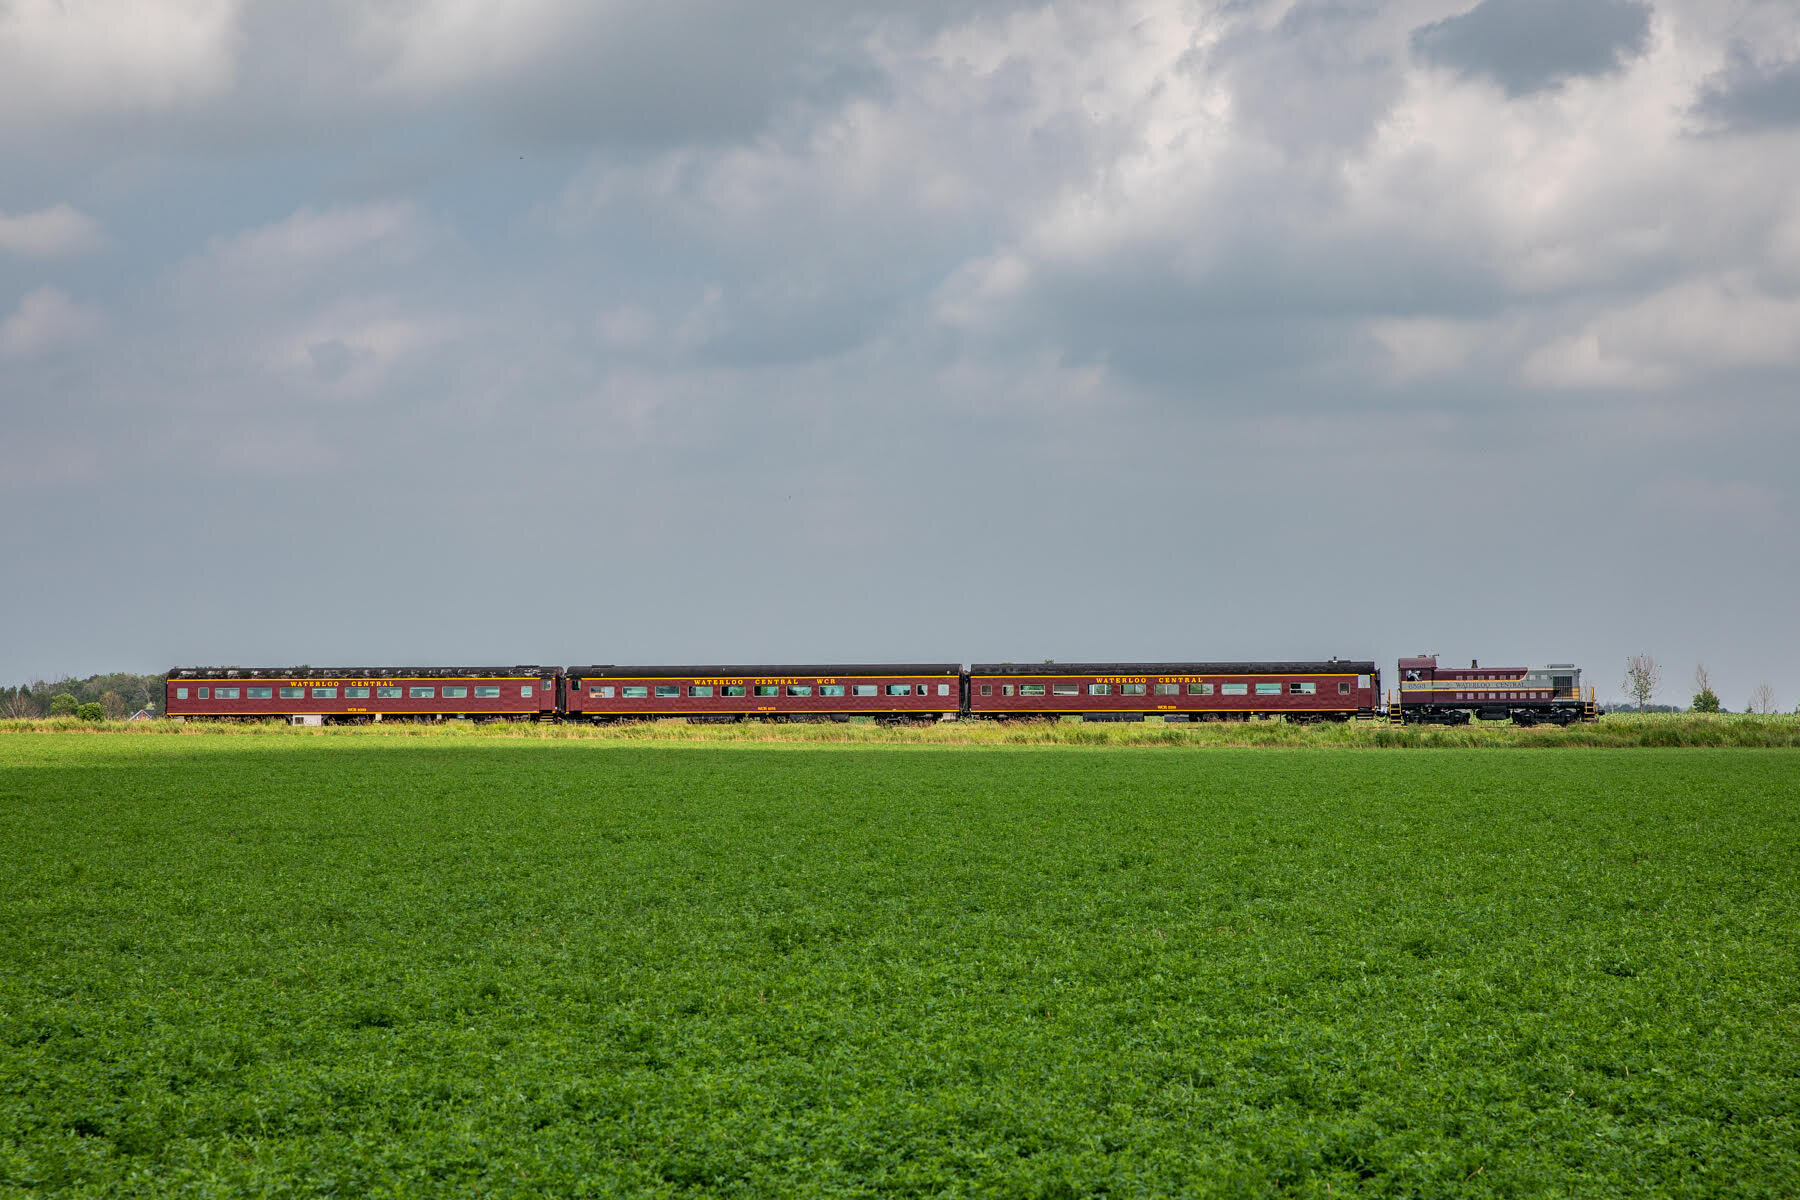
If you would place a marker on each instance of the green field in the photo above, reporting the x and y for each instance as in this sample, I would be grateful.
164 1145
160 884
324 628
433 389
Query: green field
376 965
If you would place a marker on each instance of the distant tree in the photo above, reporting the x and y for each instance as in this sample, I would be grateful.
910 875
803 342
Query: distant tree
91 711
1762 699
114 704
18 705
63 705
1643 675
1705 699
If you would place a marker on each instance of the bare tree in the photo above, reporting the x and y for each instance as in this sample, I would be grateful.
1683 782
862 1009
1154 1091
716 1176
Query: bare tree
114 704
1762 700
18 705
1643 675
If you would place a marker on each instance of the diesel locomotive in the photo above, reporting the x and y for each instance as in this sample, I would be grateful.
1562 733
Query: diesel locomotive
1430 694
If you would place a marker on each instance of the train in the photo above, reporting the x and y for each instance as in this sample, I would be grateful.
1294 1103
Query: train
1299 691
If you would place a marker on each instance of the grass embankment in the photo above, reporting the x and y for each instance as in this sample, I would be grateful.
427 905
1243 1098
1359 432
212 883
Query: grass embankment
1619 731
351 965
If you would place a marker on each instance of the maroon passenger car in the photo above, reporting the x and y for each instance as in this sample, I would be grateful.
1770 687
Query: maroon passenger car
341 695
1307 691
728 693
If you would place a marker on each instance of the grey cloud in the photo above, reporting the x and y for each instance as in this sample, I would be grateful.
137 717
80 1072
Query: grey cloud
1317 78
1748 97
1528 45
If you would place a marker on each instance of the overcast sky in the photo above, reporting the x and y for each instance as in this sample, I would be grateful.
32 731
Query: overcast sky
426 331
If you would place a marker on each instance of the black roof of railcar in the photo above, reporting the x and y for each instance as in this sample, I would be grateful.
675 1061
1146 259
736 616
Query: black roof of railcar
359 672
814 669
1336 666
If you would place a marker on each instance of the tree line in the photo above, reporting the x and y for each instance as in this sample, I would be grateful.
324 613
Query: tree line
113 697
1643 676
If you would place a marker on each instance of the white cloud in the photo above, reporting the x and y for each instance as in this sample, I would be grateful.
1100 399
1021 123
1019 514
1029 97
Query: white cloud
1718 322
71 58
309 242
49 232
352 348
1585 360
429 46
46 320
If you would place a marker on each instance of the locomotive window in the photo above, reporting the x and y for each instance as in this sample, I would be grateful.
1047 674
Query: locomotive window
421 693
667 691
831 689
487 691
700 691
1006 689
1031 689
1168 689
181 693
767 689
1362 681
1099 689
261 693
205 693
799 689
864 689
634 691
225 693
294 693
987 689
732 689
1234 689
1303 689
604 692
1268 689
1065 689
899 689
1131 689
1343 688
385 692
1200 689
456 692
353 693
943 689
324 693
